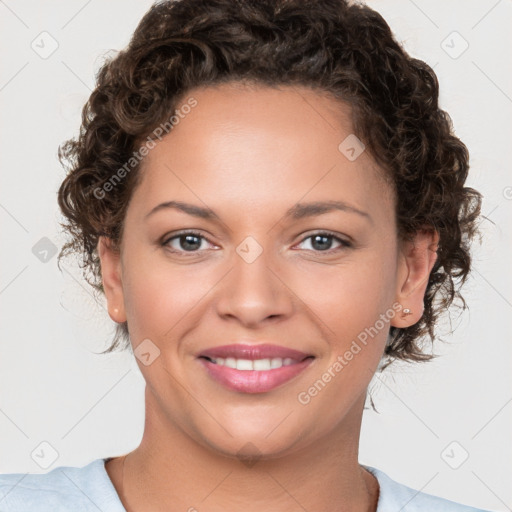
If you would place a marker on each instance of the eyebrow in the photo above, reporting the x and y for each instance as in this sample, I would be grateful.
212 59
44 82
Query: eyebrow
320 207
191 209
298 211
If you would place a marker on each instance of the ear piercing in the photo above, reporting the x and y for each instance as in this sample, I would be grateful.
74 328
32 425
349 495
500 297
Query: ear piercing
406 312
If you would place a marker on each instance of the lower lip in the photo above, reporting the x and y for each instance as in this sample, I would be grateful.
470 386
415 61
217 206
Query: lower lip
253 381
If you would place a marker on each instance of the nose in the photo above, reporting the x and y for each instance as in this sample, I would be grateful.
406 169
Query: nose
254 293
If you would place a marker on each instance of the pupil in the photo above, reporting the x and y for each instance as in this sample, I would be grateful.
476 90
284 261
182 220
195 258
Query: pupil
325 240
188 245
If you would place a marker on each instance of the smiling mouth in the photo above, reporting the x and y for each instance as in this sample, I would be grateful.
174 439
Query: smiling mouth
248 368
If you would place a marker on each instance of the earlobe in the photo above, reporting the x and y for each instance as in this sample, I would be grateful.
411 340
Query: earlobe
111 277
416 260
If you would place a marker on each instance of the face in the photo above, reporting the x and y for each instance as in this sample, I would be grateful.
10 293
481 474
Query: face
280 240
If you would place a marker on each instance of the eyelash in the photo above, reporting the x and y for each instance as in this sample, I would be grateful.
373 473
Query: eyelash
344 243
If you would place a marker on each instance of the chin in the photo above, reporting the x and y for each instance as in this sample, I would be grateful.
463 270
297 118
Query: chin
251 451
251 443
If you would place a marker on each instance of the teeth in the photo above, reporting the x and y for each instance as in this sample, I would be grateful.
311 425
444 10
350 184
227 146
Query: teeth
244 364
257 364
262 364
230 362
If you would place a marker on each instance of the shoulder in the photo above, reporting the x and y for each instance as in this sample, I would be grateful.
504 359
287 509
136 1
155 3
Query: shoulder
81 489
395 496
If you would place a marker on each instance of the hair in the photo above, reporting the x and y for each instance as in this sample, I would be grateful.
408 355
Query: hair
332 46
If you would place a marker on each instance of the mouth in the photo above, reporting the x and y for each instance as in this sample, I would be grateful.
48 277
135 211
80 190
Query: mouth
253 368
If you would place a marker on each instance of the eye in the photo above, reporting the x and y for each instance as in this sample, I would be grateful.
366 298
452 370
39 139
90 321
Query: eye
322 242
186 241
191 242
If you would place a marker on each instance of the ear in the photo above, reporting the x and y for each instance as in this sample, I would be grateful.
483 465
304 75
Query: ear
111 275
416 260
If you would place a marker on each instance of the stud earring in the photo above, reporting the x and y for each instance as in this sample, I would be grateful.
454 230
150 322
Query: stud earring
406 312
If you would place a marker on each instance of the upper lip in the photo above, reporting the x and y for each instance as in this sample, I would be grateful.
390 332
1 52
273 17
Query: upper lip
252 352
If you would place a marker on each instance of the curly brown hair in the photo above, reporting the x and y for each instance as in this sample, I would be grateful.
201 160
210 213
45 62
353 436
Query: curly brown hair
340 48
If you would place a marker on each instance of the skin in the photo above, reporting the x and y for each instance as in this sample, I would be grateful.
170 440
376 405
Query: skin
249 154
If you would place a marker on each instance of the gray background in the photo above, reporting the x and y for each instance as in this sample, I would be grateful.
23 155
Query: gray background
53 388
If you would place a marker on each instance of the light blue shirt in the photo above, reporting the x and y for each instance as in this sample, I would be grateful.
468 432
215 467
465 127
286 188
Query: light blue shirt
89 489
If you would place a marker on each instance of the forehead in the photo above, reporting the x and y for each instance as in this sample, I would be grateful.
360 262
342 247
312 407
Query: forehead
260 147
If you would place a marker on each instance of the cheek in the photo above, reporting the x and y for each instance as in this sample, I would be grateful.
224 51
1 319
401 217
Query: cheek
356 309
352 295
354 302
158 295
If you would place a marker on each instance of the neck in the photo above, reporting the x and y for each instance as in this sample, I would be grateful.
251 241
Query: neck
170 471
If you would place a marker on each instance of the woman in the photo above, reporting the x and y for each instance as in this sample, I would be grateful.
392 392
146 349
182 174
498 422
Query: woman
273 204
